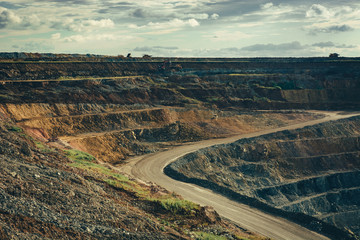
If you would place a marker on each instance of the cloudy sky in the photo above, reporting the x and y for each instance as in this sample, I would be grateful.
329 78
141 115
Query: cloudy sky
228 28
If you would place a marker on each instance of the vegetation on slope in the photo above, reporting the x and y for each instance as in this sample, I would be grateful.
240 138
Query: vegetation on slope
69 194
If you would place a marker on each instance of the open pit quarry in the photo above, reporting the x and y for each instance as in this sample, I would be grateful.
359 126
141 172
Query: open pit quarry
72 131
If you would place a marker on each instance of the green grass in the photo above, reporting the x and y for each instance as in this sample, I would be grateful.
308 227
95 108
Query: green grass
24 135
111 177
118 183
170 202
208 236
178 206
14 128
88 162
43 148
77 155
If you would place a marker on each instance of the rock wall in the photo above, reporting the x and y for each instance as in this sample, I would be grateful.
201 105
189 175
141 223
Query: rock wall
100 122
247 83
115 132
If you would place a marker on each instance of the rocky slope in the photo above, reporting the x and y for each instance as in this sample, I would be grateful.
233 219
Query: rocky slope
314 170
114 132
55 108
49 193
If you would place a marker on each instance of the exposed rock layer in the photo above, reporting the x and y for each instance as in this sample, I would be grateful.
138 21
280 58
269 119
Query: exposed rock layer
314 170
247 83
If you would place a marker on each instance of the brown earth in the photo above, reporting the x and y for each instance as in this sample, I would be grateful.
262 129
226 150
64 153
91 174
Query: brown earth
46 195
112 136
117 110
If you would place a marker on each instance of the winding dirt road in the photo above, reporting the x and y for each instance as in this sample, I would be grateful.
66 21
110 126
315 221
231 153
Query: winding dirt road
150 168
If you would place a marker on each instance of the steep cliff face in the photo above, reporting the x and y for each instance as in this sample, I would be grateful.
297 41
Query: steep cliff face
100 122
246 83
314 170
51 70
114 132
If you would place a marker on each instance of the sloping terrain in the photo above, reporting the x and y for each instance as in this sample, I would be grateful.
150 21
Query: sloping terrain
314 170
49 193
116 132
67 122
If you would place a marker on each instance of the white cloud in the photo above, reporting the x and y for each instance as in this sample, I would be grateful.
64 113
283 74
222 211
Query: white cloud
214 16
85 38
8 17
292 46
76 25
200 16
103 23
86 25
37 46
332 20
250 25
75 38
55 36
257 50
332 45
269 13
327 27
276 11
173 24
267 5
319 11
157 50
32 21
225 35
192 22
154 48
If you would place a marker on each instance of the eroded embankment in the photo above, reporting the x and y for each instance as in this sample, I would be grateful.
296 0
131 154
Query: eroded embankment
170 127
114 132
52 193
314 170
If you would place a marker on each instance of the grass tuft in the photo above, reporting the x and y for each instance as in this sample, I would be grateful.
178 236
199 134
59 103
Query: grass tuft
43 148
14 128
208 236
170 202
77 155
178 206
88 162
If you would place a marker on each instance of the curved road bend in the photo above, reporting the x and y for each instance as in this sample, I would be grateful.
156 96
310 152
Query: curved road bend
150 168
